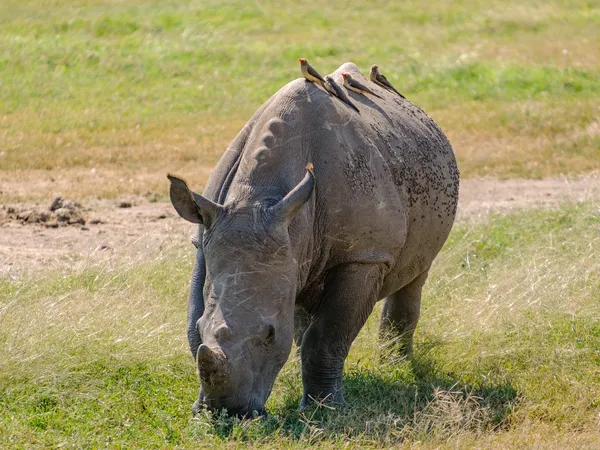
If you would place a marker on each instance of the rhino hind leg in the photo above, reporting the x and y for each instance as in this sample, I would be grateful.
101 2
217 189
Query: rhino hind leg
400 315
347 300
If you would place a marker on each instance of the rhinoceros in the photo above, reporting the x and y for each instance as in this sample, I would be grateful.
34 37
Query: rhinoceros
288 253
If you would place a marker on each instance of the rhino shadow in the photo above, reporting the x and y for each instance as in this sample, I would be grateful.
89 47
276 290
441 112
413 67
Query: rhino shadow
365 102
428 392
406 397
413 397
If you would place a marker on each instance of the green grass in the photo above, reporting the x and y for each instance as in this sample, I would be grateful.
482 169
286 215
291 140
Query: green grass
507 353
130 87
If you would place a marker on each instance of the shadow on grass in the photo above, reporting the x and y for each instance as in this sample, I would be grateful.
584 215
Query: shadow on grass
397 400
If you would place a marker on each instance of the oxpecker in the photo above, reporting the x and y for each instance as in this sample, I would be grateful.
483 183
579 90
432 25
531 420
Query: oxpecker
353 85
309 73
380 79
335 89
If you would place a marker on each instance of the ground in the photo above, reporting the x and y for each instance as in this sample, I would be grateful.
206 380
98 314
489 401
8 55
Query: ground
144 225
506 354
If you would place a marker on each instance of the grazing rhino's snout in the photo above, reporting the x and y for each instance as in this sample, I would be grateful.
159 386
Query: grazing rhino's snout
229 383
237 369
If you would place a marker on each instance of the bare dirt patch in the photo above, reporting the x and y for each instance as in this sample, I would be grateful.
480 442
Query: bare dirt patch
136 228
479 197
111 232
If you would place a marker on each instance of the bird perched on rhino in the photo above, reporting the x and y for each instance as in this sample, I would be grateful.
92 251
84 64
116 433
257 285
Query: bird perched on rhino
353 85
334 89
309 73
380 79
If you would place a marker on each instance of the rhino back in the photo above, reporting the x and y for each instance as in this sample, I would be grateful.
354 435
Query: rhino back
386 178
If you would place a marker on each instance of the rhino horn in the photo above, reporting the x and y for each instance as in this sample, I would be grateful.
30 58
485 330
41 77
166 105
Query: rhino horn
212 365
291 204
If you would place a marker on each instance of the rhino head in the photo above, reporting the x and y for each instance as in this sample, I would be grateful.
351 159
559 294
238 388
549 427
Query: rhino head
246 329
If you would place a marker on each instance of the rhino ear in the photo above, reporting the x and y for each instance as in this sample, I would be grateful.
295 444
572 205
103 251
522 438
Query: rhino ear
291 204
191 206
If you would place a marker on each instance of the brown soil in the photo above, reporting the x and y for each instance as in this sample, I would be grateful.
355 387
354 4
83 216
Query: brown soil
484 196
136 228
132 229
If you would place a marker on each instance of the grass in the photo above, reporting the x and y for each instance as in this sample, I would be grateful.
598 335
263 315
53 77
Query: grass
507 354
102 97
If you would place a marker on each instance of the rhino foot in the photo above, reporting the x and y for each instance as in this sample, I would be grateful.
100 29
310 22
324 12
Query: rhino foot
330 401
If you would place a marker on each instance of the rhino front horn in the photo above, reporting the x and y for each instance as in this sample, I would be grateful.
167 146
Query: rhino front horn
212 365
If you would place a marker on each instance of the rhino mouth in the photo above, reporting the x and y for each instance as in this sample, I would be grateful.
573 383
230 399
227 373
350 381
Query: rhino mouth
217 392
254 408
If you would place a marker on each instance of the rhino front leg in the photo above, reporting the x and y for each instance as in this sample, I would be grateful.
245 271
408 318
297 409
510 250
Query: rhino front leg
350 293
400 315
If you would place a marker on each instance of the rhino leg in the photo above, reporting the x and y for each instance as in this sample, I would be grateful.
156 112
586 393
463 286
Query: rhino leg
196 302
348 298
400 315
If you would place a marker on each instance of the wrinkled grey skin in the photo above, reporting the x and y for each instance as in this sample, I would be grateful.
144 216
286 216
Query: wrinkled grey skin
283 253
